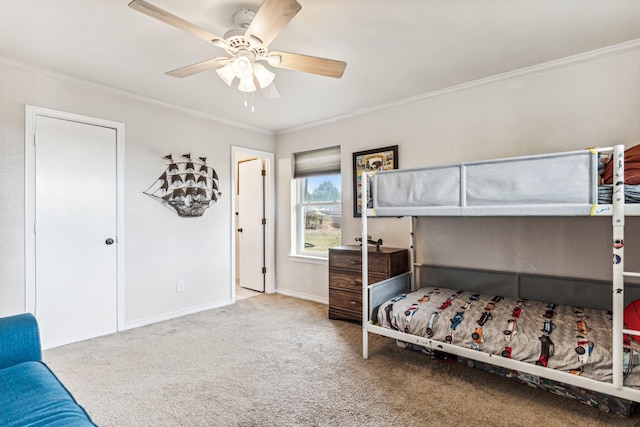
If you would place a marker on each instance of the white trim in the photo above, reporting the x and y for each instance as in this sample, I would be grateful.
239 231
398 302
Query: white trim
269 158
31 113
303 296
309 259
175 314
298 224
519 73
53 75
295 220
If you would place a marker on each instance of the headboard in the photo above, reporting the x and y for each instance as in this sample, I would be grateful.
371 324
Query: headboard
578 292
573 291
469 279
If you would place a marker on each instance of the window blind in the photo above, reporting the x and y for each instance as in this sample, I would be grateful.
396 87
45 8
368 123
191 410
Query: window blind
325 161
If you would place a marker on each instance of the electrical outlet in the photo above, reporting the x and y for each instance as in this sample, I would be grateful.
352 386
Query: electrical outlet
180 285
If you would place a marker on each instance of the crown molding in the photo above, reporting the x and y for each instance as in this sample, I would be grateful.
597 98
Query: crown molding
519 73
509 75
64 78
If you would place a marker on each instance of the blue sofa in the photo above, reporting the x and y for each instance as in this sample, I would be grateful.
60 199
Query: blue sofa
30 394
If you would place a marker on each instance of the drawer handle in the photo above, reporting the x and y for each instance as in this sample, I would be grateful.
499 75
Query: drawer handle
352 302
355 262
353 282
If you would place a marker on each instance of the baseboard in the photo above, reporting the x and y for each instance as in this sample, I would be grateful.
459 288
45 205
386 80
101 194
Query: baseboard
302 296
175 314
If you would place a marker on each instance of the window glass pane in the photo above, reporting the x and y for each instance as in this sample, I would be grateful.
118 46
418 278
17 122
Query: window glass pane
321 227
321 189
318 205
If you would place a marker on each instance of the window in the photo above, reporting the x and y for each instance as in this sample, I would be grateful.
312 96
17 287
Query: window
317 200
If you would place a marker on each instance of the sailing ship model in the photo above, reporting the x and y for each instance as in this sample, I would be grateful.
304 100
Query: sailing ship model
189 186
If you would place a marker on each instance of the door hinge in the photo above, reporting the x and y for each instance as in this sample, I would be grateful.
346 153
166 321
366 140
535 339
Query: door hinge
264 270
264 172
264 221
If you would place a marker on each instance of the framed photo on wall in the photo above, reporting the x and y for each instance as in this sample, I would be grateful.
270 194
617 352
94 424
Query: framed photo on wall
385 158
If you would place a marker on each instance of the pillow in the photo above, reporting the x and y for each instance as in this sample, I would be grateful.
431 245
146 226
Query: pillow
603 161
631 167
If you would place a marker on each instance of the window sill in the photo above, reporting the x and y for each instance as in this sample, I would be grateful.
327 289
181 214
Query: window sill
308 259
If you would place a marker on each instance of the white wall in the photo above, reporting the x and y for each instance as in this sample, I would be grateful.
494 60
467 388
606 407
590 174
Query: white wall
160 247
567 105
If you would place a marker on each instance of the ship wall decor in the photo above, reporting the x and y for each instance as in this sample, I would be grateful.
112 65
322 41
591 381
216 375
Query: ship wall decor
188 186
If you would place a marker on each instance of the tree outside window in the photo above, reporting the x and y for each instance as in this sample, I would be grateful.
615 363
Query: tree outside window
319 213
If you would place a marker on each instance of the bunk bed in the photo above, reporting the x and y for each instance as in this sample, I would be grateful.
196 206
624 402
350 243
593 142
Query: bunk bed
564 335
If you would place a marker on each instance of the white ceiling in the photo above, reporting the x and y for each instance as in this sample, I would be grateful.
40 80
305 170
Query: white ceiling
394 49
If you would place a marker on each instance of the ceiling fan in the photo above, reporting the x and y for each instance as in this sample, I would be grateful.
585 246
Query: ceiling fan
247 46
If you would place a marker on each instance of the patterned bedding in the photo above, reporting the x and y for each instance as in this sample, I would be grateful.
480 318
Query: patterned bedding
571 339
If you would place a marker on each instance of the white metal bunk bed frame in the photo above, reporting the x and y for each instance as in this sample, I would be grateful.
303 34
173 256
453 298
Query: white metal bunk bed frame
615 388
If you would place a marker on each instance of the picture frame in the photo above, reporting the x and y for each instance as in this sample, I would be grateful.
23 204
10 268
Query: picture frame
385 158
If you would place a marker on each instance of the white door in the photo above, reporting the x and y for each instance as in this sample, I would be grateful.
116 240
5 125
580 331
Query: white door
250 228
75 230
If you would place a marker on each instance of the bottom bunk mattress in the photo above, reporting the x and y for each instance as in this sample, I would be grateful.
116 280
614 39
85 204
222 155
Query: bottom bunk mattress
572 339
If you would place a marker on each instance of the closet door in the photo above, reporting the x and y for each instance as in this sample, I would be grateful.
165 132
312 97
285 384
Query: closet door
75 230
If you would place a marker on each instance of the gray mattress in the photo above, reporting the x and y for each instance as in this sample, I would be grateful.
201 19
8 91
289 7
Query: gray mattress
552 184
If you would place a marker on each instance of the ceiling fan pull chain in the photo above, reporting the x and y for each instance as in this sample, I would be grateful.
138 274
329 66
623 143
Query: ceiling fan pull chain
246 103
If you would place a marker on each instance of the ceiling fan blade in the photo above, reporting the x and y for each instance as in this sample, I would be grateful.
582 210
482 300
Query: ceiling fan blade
190 70
271 18
164 16
307 64
270 92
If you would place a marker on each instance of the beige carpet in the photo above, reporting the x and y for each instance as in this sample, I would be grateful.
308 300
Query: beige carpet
242 293
273 360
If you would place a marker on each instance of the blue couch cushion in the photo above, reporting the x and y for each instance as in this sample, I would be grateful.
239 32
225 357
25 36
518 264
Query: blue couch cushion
31 395
19 340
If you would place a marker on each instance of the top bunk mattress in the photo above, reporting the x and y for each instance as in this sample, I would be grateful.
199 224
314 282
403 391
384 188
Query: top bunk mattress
559 184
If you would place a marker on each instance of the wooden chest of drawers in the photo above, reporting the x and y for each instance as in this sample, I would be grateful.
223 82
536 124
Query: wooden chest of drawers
345 276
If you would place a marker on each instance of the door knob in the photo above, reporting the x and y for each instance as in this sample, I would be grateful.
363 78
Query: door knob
109 241
240 230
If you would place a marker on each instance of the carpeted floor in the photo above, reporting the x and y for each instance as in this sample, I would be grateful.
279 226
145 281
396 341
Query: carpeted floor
242 293
273 360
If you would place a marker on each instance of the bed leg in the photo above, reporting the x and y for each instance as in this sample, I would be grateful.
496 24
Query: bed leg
365 342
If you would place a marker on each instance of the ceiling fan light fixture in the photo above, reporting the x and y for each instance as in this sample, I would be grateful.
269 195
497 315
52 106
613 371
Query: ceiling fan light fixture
242 67
226 73
247 85
263 76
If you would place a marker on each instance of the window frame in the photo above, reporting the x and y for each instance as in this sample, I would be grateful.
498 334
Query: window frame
320 162
298 225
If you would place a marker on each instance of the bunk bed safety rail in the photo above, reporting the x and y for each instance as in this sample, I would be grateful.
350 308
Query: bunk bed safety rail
517 186
381 292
